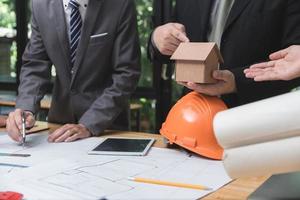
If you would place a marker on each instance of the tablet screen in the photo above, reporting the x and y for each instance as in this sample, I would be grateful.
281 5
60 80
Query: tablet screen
123 146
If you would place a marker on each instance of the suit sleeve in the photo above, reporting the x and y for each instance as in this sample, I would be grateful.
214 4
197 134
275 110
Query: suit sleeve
125 74
35 71
249 90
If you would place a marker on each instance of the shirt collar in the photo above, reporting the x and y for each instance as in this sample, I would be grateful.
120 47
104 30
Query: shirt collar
82 3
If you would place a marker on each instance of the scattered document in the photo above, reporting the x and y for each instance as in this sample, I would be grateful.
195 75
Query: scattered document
40 150
66 171
262 137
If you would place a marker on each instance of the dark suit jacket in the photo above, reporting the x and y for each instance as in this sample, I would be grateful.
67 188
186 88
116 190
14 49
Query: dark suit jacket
255 28
105 73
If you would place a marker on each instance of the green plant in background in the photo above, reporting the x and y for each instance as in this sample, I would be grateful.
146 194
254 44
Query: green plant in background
8 53
147 118
7 14
145 13
144 16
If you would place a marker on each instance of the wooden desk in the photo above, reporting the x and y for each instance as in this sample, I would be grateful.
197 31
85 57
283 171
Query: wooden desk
46 103
237 189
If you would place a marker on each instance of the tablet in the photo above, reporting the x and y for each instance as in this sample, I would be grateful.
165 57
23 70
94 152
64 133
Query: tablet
123 146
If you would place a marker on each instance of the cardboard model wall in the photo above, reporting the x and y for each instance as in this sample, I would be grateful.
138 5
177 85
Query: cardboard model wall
195 62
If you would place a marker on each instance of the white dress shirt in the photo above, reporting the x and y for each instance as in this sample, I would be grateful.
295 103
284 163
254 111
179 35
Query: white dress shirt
82 9
218 18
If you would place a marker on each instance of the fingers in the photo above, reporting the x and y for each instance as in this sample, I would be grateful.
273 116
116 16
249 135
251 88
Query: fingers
167 37
259 68
170 47
253 70
266 76
58 133
263 65
208 89
14 123
18 118
30 121
225 84
12 128
74 137
262 74
2 121
178 32
179 27
66 135
69 133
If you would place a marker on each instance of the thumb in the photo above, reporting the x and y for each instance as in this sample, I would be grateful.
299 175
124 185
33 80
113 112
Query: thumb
279 54
179 27
221 75
180 33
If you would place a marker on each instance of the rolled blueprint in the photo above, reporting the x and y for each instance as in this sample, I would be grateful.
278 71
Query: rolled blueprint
279 156
262 137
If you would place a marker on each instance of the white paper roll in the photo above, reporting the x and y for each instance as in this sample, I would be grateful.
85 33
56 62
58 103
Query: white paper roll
270 119
262 137
265 158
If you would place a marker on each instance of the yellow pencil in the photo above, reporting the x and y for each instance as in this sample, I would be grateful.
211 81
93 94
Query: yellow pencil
167 183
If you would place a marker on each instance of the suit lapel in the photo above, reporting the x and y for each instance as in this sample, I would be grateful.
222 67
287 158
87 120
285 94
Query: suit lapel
238 7
87 28
60 26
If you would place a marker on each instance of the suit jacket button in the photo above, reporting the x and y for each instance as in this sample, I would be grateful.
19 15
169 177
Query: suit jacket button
72 71
73 91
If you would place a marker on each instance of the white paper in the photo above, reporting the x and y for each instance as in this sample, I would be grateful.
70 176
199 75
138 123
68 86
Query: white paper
261 121
280 156
261 138
41 150
96 176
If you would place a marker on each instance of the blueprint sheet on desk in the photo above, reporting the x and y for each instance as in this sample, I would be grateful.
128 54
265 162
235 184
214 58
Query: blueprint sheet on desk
65 171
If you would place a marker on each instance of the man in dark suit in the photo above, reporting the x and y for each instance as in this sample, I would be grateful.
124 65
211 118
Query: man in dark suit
250 32
94 47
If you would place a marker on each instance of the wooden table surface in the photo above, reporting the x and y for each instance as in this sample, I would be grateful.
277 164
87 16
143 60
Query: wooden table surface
237 189
46 103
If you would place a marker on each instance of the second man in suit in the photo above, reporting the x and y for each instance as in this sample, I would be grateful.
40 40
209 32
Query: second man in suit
94 47
246 31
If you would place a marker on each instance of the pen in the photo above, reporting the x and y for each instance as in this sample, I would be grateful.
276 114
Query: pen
12 165
15 154
167 183
23 128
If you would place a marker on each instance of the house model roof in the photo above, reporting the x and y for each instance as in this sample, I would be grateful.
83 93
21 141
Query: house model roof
196 51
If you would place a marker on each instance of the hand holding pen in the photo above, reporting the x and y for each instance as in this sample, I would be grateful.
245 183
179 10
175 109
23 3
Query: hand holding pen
16 124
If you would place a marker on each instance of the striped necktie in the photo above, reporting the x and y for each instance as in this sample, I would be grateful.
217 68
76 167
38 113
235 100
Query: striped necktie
75 29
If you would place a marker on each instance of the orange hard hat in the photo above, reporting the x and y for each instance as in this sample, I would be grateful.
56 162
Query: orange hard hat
190 124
